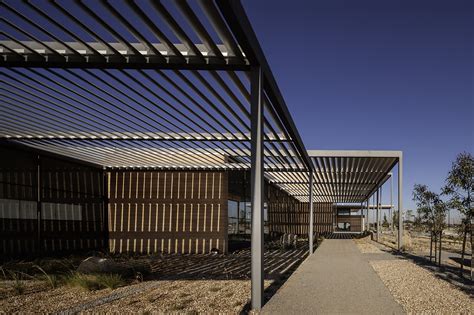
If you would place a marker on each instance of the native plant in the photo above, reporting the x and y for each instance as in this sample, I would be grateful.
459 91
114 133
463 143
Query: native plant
432 210
460 188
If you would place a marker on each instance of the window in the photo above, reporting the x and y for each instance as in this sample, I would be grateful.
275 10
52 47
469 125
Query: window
17 209
233 216
240 217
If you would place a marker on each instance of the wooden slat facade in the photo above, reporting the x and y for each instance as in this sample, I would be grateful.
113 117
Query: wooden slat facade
72 216
171 212
288 215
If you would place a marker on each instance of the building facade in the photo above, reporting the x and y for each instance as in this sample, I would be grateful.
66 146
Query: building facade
81 207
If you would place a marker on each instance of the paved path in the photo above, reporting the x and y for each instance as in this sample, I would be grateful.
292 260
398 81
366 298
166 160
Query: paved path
337 279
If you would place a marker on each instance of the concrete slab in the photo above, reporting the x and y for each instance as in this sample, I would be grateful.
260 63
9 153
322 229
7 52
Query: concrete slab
337 279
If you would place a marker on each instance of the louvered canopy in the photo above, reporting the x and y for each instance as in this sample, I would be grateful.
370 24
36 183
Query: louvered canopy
139 84
340 176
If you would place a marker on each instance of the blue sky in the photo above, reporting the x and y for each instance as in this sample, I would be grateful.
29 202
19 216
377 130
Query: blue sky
382 75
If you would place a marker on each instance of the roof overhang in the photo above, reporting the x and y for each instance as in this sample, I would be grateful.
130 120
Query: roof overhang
341 176
140 85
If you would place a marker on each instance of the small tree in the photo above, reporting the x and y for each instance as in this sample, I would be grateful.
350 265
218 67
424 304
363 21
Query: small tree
385 221
460 188
432 211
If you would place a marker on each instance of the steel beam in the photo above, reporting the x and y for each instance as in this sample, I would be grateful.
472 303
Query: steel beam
311 214
134 62
400 202
238 22
257 181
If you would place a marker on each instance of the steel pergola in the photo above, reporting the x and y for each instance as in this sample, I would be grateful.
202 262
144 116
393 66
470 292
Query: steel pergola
147 85
346 177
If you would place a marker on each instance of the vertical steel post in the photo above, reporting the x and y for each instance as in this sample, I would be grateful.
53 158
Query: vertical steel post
368 213
311 214
391 201
400 200
367 218
377 219
381 208
374 207
256 133
105 209
38 203
361 217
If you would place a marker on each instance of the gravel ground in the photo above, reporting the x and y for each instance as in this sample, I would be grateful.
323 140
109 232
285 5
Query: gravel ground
186 296
164 296
50 301
365 247
29 286
177 284
419 291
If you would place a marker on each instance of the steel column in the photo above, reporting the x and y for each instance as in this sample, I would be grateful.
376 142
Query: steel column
38 203
391 201
311 214
377 218
400 200
257 187
367 219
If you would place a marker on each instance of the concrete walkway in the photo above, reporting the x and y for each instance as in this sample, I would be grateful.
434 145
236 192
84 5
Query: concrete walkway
337 279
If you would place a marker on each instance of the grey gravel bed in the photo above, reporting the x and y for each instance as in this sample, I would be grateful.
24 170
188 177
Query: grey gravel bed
420 291
118 294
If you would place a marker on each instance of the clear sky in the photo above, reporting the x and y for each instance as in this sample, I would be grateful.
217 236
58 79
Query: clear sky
382 75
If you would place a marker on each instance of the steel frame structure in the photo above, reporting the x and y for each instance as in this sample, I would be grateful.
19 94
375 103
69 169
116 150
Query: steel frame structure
147 85
162 85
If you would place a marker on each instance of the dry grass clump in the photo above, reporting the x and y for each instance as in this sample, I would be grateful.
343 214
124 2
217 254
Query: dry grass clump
419 291
95 282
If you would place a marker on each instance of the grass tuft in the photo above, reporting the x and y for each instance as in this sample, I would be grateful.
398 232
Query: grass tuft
53 280
95 282
86 282
111 281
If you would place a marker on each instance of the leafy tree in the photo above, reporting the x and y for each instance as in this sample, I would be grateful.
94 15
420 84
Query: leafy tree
460 188
432 212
